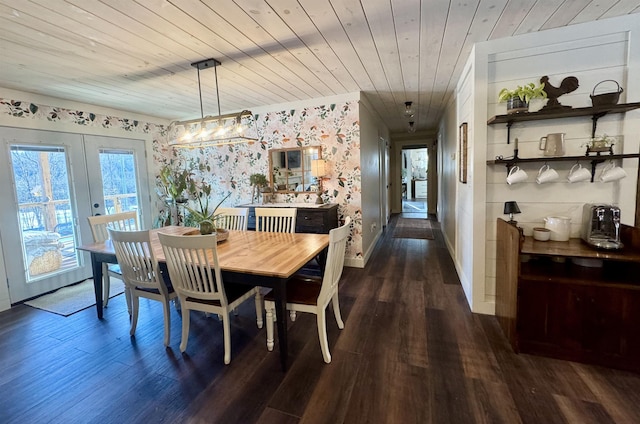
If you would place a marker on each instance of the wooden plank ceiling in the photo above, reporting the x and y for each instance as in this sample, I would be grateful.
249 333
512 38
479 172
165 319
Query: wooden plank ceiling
136 55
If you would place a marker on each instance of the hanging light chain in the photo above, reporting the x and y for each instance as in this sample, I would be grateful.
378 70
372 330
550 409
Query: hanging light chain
215 69
200 93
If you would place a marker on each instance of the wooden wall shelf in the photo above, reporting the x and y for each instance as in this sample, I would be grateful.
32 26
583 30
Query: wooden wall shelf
595 113
595 160
562 113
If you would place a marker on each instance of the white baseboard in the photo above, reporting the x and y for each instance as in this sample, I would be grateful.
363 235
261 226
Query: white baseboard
354 262
361 262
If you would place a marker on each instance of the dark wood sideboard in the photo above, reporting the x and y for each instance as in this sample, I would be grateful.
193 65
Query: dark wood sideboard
548 305
318 220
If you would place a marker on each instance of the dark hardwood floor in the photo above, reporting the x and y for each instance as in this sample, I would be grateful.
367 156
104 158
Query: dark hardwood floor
410 352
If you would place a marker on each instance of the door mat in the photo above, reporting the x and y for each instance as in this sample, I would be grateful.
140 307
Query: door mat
71 299
413 228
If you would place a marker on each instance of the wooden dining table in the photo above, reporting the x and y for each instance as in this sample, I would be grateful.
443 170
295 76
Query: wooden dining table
254 258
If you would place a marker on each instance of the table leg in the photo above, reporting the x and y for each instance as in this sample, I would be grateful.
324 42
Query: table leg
96 265
280 292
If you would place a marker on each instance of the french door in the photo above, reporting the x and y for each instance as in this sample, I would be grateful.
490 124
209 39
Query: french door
50 183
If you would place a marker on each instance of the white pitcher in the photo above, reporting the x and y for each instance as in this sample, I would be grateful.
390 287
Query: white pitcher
560 227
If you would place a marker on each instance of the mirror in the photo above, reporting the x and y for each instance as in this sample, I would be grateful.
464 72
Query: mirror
291 169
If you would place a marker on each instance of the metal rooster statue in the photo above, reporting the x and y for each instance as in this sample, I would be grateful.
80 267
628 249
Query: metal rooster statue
567 85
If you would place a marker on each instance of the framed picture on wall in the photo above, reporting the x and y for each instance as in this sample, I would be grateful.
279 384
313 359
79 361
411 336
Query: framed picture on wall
462 153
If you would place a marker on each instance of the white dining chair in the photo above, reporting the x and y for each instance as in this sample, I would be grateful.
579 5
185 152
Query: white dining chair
232 218
141 275
313 294
277 220
195 273
100 224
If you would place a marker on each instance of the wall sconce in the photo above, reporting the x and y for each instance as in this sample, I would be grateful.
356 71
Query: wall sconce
319 170
511 208
408 109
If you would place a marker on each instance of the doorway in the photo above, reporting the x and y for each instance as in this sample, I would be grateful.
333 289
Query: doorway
51 182
414 171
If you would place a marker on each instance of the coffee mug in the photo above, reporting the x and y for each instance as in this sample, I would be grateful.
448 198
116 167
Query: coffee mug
578 173
516 175
611 173
546 174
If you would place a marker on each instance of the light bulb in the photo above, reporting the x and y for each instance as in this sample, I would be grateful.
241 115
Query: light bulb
188 135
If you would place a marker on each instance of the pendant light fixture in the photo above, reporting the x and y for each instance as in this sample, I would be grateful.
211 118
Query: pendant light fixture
218 130
408 109
411 128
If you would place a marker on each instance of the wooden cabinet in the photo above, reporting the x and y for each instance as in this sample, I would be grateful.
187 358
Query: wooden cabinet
318 220
419 188
550 306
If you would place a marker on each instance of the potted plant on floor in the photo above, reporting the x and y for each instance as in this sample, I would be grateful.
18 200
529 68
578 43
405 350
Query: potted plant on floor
518 99
170 187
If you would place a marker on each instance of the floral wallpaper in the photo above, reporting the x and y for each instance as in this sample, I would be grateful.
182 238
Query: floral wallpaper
20 109
334 127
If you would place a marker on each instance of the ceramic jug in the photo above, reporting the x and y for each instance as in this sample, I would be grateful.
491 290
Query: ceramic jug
552 144
560 227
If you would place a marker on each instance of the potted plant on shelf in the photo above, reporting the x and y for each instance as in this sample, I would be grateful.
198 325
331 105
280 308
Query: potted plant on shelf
518 99
259 183
200 192
599 144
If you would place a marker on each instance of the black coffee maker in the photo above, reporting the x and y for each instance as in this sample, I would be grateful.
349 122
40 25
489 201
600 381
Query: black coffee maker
601 226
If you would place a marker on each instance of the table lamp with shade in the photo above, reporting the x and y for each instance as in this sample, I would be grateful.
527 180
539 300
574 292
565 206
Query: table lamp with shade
511 208
319 170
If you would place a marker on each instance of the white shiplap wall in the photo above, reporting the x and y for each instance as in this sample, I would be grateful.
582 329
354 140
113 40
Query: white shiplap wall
592 52
465 192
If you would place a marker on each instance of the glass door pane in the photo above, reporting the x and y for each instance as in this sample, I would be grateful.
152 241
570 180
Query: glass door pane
45 216
118 180
122 184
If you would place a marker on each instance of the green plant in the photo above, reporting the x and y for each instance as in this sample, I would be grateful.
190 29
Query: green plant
259 180
172 183
525 93
200 192
600 142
